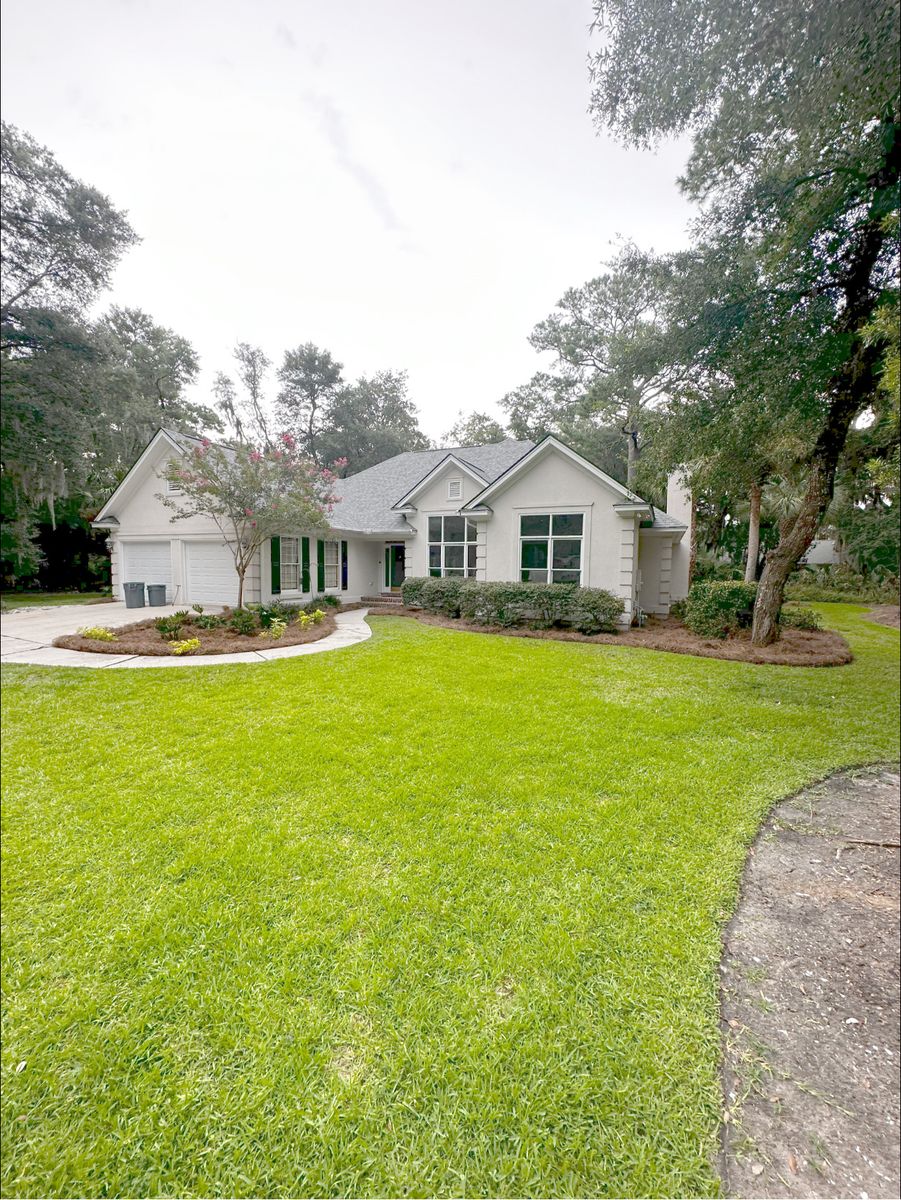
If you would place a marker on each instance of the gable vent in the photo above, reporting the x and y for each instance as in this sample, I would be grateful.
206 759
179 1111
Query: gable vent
455 489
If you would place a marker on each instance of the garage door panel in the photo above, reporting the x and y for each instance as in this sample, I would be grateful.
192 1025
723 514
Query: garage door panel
210 575
147 562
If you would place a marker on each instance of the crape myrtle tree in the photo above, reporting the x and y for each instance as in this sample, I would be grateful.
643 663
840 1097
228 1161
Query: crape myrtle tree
251 493
793 108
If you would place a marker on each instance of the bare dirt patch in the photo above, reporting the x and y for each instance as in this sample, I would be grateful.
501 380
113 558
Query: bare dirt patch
796 647
886 614
143 638
810 1004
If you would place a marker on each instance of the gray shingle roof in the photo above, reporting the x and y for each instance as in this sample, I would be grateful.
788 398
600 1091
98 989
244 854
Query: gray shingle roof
663 520
365 499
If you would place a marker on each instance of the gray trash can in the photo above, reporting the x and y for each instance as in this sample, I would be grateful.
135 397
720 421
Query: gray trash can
156 594
134 595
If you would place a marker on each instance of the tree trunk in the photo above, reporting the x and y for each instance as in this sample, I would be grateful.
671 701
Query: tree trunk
850 389
693 540
632 459
240 588
753 534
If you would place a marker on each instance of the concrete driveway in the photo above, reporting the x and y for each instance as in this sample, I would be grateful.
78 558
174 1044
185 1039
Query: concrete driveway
27 635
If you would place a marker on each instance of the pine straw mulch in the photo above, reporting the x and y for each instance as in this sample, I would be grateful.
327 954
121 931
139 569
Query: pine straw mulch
886 614
143 638
796 647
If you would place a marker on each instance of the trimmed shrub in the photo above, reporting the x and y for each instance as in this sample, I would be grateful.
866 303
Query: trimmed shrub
712 608
411 590
540 605
443 595
677 609
593 610
328 598
799 618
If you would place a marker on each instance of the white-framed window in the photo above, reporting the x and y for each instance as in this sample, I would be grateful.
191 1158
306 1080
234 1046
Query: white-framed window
290 564
550 547
332 561
455 489
452 547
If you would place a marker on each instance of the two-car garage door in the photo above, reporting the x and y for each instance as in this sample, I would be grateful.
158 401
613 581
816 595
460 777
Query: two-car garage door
209 570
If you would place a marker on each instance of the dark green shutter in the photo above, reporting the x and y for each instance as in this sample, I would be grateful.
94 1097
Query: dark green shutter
275 552
344 566
320 565
305 564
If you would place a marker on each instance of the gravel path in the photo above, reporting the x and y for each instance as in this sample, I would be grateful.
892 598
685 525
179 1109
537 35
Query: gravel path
810 999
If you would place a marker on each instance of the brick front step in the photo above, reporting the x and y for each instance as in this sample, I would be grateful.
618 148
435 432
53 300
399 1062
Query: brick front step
395 600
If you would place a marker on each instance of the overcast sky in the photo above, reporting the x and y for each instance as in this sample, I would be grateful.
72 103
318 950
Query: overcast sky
409 184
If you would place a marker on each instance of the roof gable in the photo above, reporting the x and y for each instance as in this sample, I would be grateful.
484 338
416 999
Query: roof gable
449 460
550 445
136 471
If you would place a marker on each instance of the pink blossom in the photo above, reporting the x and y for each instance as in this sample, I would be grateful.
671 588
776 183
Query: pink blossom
339 464
287 440
255 456
248 512
206 443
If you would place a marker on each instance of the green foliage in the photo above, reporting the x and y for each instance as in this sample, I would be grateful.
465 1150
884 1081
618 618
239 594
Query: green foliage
842 584
97 633
411 590
532 904
170 627
61 238
243 621
188 646
871 535
539 605
274 628
474 429
713 607
329 599
800 618
306 618
208 621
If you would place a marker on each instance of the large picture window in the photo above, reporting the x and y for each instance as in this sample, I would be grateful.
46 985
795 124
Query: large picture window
290 564
550 547
452 547
332 563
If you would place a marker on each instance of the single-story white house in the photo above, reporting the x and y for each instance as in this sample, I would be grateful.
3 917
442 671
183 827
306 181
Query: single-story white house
512 510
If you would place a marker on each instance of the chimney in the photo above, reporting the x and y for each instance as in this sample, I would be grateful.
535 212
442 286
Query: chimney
678 497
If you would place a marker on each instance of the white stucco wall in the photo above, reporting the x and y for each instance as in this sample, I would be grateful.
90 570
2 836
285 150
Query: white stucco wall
556 484
433 501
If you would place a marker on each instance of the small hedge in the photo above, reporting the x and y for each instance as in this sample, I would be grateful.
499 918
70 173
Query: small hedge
539 605
799 618
713 606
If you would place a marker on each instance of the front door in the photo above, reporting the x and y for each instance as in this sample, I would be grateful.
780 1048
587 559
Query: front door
394 566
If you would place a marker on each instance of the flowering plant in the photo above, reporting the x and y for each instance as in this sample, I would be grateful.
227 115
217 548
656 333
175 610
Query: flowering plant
251 493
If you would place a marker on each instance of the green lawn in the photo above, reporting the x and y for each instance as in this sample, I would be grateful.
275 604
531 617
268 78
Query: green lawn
437 915
11 600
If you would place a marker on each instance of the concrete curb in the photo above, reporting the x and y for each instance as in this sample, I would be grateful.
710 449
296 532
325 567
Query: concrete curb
352 629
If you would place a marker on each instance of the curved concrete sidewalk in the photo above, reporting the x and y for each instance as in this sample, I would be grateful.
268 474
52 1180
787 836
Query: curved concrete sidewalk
27 637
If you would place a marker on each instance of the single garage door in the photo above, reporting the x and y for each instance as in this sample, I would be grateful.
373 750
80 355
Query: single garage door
210 575
147 562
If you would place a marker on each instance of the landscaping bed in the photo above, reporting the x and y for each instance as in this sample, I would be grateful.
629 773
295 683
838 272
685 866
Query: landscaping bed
795 648
144 637
886 614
